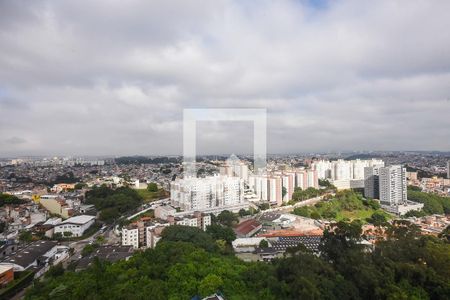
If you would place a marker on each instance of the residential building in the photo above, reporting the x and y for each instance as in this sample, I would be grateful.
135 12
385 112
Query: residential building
36 254
270 187
130 236
55 205
75 225
6 275
147 234
233 167
448 169
109 253
343 169
372 182
393 187
164 211
191 194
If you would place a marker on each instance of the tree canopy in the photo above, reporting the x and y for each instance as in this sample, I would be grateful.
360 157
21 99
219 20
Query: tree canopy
6 199
405 265
113 202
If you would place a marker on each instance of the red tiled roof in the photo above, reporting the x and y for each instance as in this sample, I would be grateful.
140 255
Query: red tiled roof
247 226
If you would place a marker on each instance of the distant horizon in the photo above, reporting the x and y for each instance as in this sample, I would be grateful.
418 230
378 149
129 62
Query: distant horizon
226 154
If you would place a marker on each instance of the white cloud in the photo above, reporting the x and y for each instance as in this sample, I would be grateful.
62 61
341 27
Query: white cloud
112 77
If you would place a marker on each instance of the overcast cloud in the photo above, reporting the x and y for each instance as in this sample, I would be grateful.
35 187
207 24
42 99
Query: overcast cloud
113 77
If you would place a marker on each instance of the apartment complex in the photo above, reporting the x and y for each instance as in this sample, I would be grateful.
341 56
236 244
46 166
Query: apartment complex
233 167
192 193
345 174
270 187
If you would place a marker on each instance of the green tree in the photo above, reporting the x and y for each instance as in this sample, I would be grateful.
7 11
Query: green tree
377 219
152 187
67 233
210 284
25 236
263 244
219 232
188 234
227 218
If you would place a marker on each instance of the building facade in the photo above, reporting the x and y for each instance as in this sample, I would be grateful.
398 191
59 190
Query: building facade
372 182
191 194
393 186
75 225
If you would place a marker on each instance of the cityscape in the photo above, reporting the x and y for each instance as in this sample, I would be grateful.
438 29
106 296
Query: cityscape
218 150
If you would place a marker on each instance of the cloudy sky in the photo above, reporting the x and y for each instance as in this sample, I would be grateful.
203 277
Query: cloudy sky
113 77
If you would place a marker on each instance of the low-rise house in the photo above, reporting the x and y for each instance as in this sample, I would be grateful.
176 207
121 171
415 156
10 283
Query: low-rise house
6 275
56 205
107 253
248 245
164 211
75 225
36 254
247 228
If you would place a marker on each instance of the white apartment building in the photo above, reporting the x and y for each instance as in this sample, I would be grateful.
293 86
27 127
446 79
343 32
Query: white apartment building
196 194
233 167
270 187
393 186
345 174
344 170
306 179
448 169
130 237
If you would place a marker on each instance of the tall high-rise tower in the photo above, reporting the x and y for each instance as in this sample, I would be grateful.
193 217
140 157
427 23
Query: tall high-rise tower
393 188
372 182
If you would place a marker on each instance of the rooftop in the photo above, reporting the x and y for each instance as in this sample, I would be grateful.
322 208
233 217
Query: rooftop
247 226
26 256
83 219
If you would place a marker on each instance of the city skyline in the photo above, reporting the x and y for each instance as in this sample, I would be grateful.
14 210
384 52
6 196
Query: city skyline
333 75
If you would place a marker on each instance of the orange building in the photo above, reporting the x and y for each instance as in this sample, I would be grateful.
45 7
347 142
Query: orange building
6 275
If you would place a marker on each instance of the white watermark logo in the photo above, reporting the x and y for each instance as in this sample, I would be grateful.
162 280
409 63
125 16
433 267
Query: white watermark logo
191 116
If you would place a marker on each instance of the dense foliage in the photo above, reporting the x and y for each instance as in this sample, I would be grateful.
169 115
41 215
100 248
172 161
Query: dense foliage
152 187
183 265
112 203
344 205
433 204
6 199
301 195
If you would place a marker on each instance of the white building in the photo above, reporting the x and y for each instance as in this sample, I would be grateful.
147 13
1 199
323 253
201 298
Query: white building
233 167
448 169
203 193
345 174
130 237
142 234
393 187
76 225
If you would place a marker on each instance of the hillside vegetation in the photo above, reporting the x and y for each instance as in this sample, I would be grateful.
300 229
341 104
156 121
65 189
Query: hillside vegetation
184 264
345 205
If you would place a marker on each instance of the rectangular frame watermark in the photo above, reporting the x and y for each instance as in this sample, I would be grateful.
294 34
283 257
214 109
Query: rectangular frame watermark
191 116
